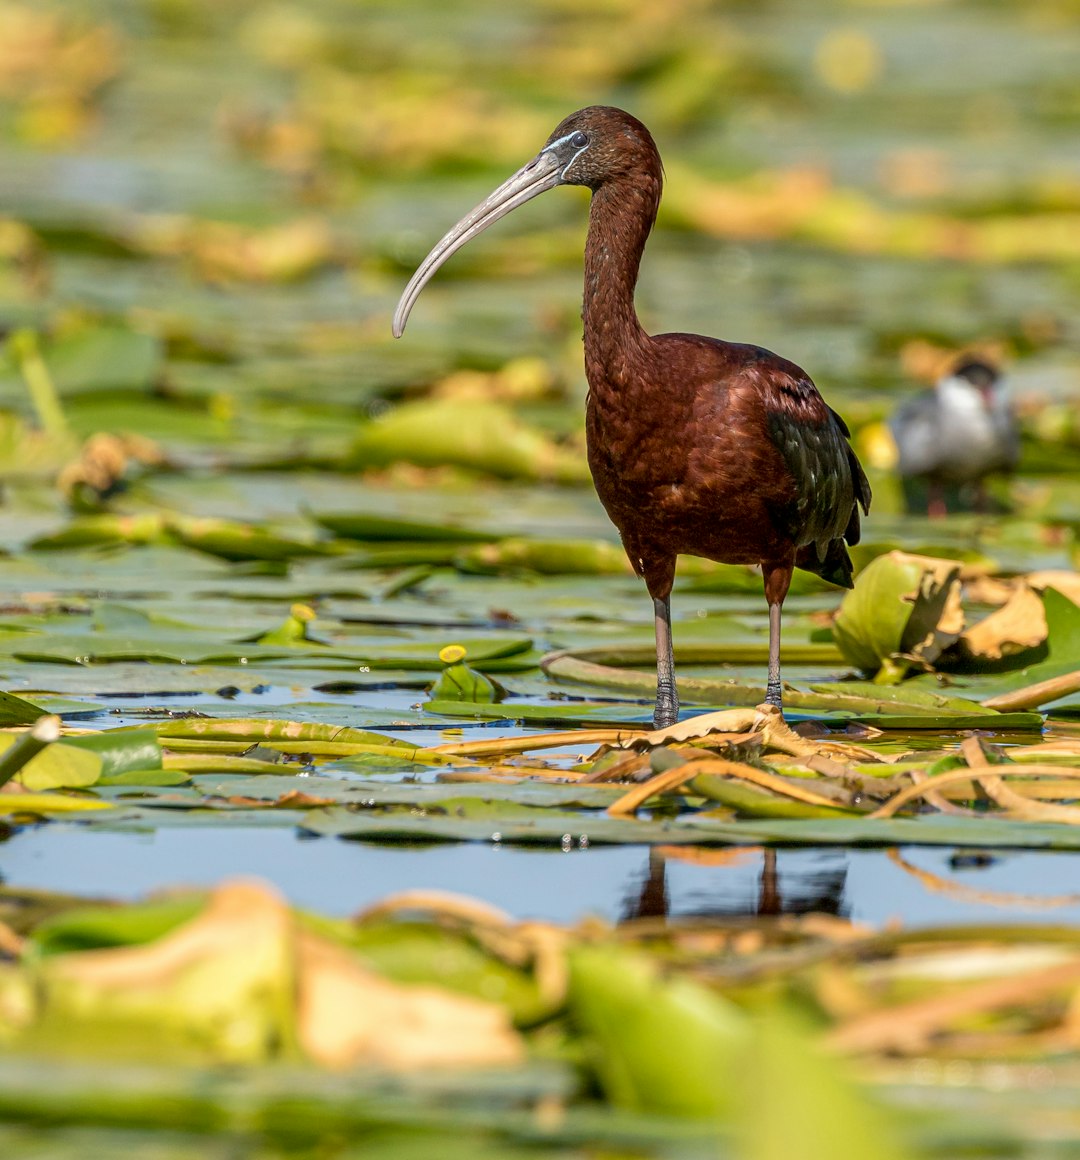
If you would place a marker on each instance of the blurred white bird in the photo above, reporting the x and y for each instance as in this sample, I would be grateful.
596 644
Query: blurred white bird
951 437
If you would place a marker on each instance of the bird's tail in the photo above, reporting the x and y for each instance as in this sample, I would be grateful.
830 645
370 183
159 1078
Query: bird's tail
835 566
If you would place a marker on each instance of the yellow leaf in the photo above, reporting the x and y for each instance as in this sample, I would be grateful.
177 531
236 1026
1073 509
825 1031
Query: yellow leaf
848 60
48 803
243 982
349 1015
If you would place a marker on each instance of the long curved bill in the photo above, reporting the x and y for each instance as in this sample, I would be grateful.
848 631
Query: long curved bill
541 174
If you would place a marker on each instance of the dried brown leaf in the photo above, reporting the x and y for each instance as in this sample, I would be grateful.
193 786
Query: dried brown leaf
437 904
952 776
732 721
1066 582
909 1026
1019 625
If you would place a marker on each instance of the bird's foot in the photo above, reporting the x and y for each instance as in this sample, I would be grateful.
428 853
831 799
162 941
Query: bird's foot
774 695
667 710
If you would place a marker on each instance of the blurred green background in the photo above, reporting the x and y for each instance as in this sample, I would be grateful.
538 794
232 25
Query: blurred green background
210 208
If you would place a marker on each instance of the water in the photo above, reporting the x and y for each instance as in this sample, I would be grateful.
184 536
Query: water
613 883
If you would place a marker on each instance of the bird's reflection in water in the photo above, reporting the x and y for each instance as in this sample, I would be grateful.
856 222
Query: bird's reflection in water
819 889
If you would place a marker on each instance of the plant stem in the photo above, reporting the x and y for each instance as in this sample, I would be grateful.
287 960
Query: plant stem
26 352
43 732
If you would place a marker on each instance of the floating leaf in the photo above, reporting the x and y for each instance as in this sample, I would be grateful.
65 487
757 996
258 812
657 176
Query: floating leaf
658 1044
82 761
547 557
16 711
751 801
1018 626
44 804
239 981
483 436
93 927
826 1115
386 529
105 529
235 541
1063 626
419 952
902 606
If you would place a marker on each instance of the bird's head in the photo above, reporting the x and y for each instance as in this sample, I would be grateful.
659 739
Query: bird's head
980 374
600 144
593 146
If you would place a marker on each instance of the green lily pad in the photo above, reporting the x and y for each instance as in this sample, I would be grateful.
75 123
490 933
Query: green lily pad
379 529
17 711
483 436
85 760
896 608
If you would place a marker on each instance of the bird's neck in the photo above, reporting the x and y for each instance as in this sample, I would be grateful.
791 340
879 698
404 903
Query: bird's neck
620 218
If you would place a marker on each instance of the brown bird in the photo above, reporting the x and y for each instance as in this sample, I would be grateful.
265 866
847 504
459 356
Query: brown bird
696 446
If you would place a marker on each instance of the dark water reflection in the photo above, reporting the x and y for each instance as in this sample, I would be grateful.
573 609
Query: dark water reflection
816 890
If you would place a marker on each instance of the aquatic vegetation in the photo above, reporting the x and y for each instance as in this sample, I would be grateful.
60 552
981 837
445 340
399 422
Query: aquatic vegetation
268 573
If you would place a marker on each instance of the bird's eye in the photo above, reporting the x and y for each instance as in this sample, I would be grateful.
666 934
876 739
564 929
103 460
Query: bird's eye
579 140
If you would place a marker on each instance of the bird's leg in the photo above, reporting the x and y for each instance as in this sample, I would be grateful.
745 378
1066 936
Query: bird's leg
667 698
773 694
769 900
777 581
936 508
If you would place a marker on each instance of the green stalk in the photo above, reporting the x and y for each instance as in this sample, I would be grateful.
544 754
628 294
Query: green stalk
26 352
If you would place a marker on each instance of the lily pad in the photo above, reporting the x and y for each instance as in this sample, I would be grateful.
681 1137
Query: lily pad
385 529
83 761
901 606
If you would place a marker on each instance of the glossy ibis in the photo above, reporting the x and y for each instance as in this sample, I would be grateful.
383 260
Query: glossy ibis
952 436
696 446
